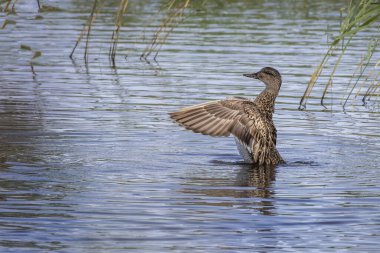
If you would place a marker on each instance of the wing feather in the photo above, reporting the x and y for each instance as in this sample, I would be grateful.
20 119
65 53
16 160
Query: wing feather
237 116
213 118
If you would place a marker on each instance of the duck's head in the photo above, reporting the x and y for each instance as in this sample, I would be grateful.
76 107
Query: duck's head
270 76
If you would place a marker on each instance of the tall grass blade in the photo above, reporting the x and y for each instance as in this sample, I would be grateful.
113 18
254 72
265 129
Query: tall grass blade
92 19
176 11
371 49
360 15
314 79
329 82
86 31
115 34
9 7
373 87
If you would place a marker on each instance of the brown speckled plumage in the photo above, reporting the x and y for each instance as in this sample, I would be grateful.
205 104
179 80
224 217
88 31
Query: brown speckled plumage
250 121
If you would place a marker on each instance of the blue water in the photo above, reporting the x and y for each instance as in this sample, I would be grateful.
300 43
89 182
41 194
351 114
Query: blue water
91 162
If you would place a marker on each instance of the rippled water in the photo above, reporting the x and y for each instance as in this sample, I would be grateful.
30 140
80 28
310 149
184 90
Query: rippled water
90 161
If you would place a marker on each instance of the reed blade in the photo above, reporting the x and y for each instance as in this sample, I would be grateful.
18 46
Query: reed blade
359 16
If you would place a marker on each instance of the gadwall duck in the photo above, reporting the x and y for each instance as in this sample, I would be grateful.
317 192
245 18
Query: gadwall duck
249 121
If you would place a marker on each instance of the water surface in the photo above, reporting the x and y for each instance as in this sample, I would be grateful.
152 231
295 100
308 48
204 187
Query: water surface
90 161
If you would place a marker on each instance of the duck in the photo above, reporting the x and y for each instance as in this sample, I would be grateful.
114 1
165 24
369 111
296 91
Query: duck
248 120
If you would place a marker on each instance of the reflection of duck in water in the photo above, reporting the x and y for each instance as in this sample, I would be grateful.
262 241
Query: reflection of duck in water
253 182
250 121
259 177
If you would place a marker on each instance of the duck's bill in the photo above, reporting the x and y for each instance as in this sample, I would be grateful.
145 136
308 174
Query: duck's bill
253 75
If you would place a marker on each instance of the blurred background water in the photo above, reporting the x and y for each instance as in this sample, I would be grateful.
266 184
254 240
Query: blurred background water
91 162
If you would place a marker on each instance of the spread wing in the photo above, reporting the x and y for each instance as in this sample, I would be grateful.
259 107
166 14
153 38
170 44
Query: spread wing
237 116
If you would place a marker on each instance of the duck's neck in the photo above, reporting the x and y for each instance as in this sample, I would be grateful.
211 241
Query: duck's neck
265 101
